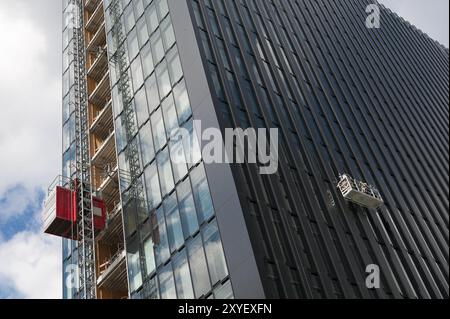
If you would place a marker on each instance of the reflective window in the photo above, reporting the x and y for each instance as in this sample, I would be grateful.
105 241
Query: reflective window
68 108
120 135
147 149
182 102
200 278
163 8
162 252
129 18
224 291
191 145
159 132
157 47
149 255
174 230
133 45
214 253
162 75
147 60
201 193
142 32
178 159
68 133
140 102
174 63
138 7
69 161
134 268
165 172
123 166
117 102
152 18
170 115
167 33
182 276
70 276
187 209
129 215
152 186
66 81
136 73
152 93
151 289
167 283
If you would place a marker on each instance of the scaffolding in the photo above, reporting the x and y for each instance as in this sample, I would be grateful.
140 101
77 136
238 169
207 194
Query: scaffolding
82 184
135 189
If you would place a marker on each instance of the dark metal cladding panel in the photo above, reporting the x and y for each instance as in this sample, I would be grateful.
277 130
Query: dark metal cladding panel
372 103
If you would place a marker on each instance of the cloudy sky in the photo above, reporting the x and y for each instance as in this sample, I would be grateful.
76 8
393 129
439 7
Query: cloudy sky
30 138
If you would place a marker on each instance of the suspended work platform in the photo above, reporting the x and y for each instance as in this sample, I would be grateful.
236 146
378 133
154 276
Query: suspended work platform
359 192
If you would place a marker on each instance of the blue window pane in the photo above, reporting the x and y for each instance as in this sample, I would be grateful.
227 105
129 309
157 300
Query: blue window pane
199 270
165 172
162 75
224 291
173 221
133 44
201 193
214 253
170 115
134 268
187 209
152 186
140 102
167 283
152 18
159 132
120 134
178 159
149 255
163 8
152 93
183 276
191 145
142 31
157 47
182 102
147 148
137 74
167 33
147 60
151 289
162 252
174 63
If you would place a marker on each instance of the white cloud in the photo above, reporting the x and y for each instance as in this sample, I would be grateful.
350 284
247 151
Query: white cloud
17 201
31 266
30 97
30 139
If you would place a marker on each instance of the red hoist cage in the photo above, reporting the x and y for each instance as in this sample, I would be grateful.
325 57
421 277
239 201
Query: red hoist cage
60 210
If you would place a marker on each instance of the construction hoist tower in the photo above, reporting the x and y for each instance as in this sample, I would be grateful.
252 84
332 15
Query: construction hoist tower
82 184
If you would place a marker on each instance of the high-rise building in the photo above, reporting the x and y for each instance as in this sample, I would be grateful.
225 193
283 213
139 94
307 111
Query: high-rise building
361 187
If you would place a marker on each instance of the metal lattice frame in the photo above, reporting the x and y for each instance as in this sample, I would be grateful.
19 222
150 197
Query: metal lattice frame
85 226
120 60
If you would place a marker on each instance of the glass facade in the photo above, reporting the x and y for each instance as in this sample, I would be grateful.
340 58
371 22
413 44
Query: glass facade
173 248
69 247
